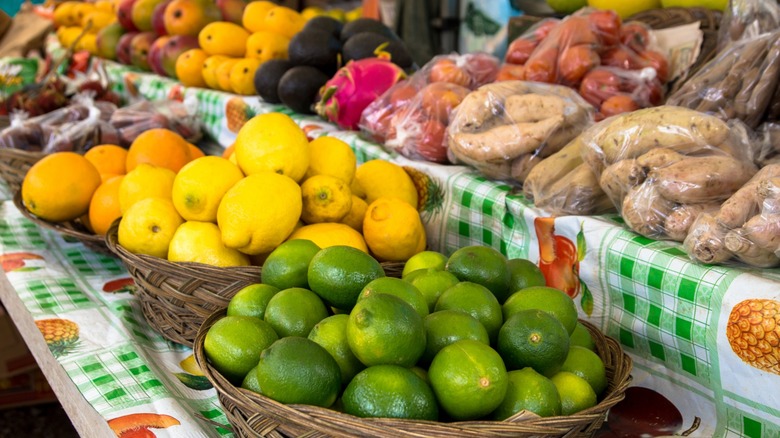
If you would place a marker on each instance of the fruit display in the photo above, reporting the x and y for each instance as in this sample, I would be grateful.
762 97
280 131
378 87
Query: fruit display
745 19
504 129
567 52
450 341
751 330
412 116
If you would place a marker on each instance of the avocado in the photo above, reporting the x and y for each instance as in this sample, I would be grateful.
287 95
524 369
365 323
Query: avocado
315 48
326 23
365 25
363 45
300 86
267 78
399 54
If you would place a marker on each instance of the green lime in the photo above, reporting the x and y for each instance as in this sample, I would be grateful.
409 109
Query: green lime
331 334
390 391
523 273
582 337
529 391
447 327
469 379
576 394
551 300
475 300
384 329
424 260
567 6
533 338
432 283
234 343
295 311
298 370
421 373
250 381
288 265
587 365
482 265
339 273
401 289
251 301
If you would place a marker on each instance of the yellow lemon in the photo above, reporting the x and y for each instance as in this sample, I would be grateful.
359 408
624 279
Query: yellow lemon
331 156
200 185
380 178
223 74
209 70
272 142
145 181
148 227
253 19
259 212
223 38
311 11
393 230
189 68
242 76
623 8
201 242
331 234
325 199
265 46
283 21
356 214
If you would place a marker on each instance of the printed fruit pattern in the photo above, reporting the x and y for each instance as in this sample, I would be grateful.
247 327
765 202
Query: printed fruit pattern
138 425
429 194
120 285
192 377
643 412
61 335
237 112
753 332
15 261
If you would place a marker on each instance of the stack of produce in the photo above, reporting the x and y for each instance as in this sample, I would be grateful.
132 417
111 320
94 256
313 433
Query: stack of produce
412 116
469 337
594 52
79 23
317 52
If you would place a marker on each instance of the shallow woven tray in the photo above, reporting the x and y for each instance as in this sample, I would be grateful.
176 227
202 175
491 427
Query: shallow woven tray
252 414
14 164
73 229
177 297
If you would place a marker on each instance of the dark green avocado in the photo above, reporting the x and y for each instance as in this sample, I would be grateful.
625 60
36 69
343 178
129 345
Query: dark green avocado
315 48
300 87
267 78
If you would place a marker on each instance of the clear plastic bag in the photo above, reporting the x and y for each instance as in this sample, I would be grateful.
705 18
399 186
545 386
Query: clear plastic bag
411 118
661 167
741 82
746 227
504 129
614 91
143 115
746 19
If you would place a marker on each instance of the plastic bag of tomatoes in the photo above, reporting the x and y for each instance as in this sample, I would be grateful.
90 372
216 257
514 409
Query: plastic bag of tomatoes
411 118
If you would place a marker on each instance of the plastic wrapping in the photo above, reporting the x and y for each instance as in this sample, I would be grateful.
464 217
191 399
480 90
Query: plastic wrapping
614 91
661 167
768 144
741 82
506 128
143 115
745 228
746 19
411 118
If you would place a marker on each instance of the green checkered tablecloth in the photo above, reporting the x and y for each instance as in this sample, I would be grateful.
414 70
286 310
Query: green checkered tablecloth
668 313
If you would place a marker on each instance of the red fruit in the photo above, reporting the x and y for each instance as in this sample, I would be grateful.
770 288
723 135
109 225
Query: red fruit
481 67
575 62
644 412
402 93
120 285
558 258
511 72
432 145
440 98
519 51
445 70
606 24
657 61
545 28
619 104
622 57
542 66
599 85
635 36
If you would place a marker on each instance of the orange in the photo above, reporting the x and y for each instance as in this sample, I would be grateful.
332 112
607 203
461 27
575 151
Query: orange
108 159
195 151
59 187
104 207
159 147
228 151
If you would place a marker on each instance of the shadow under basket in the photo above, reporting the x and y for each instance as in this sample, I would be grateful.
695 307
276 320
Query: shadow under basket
14 164
73 229
253 415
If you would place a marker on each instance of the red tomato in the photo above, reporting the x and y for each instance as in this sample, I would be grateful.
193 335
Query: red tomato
575 31
658 62
439 99
445 70
519 51
511 72
575 62
402 93
606 23
481 67
598 86
545 28
433 145
623 58
618 104
635 36
541 67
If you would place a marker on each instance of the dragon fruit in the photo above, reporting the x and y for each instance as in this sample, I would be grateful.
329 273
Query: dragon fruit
344 97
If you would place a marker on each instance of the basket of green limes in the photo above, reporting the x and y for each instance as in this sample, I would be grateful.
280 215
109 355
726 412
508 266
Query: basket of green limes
394 364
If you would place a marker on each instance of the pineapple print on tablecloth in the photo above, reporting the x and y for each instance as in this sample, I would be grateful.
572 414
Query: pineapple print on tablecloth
429 194
753 332
61 335
237 112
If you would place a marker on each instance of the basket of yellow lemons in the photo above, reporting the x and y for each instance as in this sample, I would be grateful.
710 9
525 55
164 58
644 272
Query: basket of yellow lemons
433 354
193 234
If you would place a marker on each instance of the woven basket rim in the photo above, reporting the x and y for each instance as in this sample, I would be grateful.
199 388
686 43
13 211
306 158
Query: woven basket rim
328 421
71 231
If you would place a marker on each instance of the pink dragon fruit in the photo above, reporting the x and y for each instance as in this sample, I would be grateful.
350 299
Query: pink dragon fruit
344 97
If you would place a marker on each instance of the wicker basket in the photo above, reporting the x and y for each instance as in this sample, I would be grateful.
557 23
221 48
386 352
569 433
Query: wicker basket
14 164
252 414
74 228
177 297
